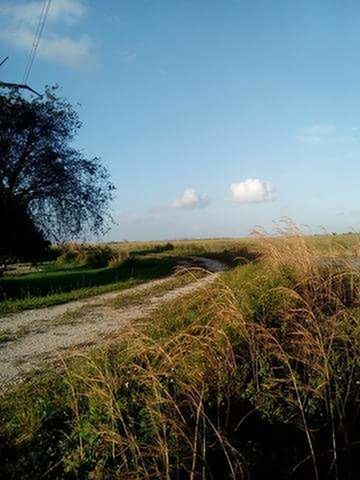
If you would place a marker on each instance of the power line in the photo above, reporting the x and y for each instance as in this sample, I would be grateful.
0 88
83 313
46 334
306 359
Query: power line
37 36
39 30
3 61
26 72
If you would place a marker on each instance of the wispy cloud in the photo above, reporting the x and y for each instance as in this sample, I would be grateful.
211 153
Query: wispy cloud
252 190
133 218
55 45
126 56
317 133
64 11
190 199
326 133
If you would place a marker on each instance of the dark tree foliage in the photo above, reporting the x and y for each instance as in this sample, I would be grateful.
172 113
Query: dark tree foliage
20 239
48 189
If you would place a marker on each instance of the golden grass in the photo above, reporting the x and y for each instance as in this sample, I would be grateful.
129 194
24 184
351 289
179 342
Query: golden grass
273 342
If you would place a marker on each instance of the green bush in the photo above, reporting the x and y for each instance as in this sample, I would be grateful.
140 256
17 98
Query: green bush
91 255
118 259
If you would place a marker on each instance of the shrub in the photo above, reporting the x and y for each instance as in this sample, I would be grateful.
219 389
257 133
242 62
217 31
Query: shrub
92 255
164 248
118 258
95 256
67 253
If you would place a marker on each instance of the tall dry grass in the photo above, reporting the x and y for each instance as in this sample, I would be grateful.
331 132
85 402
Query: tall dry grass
256 375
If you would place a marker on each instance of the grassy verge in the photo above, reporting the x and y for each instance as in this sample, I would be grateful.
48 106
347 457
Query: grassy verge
257 376
231 252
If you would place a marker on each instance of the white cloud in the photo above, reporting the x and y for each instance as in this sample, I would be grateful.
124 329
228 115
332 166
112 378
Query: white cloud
317 133
64 11
22 19
64 50
252 190
191 199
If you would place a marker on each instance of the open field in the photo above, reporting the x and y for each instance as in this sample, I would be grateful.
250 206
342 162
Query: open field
256 374
59 284
54 283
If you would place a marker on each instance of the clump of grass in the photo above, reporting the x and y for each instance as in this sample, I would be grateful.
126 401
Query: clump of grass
302 327
255 375
6 336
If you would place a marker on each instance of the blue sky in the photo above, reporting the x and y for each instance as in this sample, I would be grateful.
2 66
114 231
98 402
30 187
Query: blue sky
213 116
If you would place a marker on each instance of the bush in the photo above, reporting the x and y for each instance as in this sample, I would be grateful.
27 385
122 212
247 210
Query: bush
164 248
67 253
118 259
95 256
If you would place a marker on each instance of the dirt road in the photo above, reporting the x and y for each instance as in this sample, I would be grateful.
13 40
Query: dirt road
35 336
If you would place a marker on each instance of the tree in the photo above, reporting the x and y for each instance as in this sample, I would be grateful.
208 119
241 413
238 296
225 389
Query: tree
49 190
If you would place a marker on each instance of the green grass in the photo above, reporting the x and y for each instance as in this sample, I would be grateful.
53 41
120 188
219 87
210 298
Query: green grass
60 285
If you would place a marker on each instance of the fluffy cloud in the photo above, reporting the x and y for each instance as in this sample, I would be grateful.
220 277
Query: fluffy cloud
317 133
252 190
191 199
22 18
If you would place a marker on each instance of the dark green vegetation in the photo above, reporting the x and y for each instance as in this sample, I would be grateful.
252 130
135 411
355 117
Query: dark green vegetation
258 377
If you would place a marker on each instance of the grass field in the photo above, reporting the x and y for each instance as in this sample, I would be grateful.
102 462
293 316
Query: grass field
62 282
258 377
59 282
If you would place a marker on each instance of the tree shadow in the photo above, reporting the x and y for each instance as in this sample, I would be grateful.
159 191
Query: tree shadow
50 282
